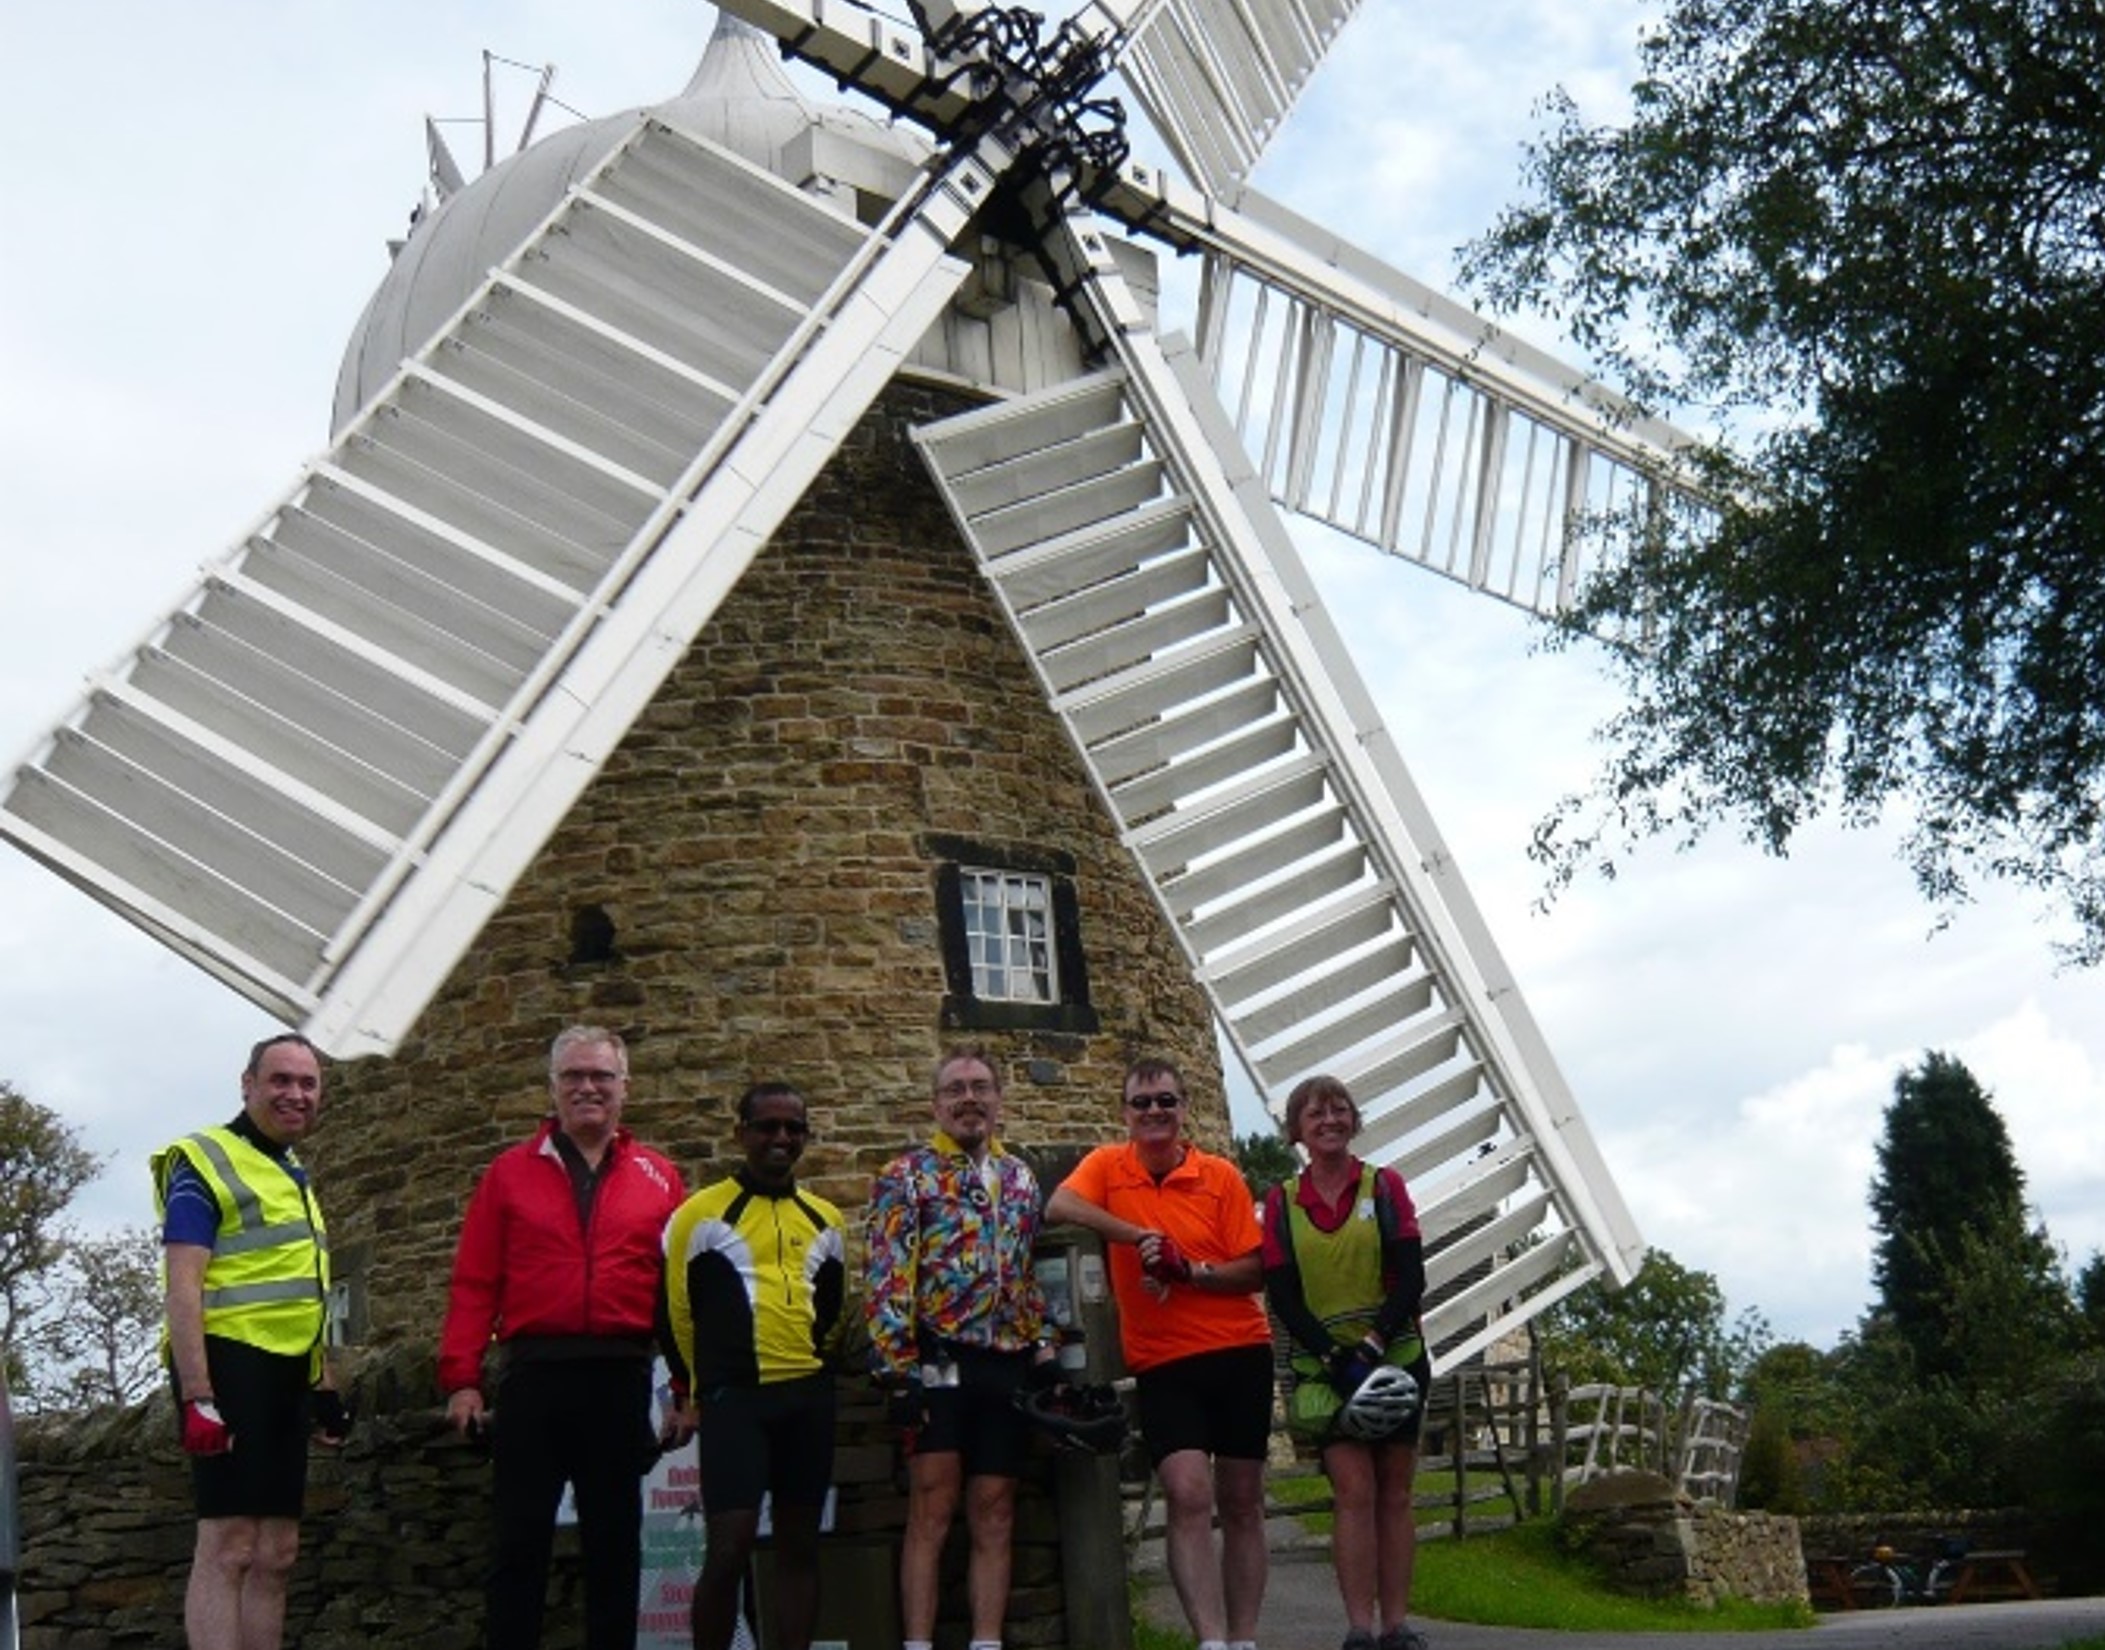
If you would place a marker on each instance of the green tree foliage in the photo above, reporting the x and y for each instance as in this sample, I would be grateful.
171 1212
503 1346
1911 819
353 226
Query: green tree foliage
1664 1330
2090 1299
1972 1291
1769 1475
42 1166
1265 1160
1866 238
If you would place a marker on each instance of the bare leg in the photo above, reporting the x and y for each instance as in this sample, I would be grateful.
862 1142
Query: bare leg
1239 1489
1353 1531
235 1599
990 1515
1396 1526
933 1483
1194 1566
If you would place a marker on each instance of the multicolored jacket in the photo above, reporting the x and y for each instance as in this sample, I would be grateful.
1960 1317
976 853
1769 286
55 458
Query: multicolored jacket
945 1259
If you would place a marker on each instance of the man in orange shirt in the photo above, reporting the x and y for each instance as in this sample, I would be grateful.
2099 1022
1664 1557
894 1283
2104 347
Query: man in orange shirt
1185 1269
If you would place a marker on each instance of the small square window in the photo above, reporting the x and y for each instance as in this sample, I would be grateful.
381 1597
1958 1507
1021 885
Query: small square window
1008 927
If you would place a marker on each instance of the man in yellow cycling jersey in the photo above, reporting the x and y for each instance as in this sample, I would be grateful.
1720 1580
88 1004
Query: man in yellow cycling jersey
751 1306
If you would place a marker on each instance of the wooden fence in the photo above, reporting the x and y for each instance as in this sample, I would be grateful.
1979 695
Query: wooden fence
1508 1450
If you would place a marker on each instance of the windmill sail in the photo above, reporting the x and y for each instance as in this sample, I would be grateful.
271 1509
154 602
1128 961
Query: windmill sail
1217 81
1380 407
319 776
1185 649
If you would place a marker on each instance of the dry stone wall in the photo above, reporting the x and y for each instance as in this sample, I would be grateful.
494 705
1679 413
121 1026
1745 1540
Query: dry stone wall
1655 1544
395 1539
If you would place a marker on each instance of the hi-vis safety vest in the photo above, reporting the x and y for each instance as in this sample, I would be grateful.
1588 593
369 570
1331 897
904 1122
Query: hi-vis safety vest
267 1284
1341 1271
1340 1281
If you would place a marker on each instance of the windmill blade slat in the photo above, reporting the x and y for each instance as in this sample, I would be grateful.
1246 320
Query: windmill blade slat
1449 1204
322 772
1246 838
1217 81
1107 652
1340 926
1132 590
1150 794
1254 911
1395 414
1472 1319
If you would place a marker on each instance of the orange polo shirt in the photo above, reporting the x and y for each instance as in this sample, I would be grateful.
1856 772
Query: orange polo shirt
1205 1206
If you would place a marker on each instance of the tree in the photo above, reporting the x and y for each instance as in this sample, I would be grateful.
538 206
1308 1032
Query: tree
1868 239
42 1165
1665 1330
2090 1298
1962 1277
98 1340
1265 1160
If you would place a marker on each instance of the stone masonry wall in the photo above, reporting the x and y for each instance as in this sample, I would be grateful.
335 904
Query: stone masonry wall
1653 1543
395 1539
760 846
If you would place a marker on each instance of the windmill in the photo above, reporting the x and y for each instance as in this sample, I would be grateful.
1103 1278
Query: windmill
514 539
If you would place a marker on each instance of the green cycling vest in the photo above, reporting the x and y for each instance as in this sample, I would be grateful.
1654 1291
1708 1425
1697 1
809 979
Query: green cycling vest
1341 1273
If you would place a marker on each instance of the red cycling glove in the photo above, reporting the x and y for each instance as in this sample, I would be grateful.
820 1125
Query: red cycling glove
204 1432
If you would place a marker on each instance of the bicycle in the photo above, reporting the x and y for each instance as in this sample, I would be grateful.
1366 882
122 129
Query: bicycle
1893 1578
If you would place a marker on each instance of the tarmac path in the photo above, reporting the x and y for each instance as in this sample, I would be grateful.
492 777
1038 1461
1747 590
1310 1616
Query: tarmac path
1301 1613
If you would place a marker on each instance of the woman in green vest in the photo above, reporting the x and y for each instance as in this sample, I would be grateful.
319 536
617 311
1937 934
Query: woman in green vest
1344 1269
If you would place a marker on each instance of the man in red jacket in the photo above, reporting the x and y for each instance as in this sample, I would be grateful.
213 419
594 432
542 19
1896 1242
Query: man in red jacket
559 1262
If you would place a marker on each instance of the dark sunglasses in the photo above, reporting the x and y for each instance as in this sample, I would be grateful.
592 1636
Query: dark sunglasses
1160 1100
795 1128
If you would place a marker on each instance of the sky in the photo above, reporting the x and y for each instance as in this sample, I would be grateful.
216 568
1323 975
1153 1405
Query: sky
196 214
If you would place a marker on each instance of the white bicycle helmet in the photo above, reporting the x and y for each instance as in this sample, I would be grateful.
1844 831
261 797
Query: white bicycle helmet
1385 1400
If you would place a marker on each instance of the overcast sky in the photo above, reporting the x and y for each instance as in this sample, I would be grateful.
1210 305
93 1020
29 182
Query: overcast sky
197 208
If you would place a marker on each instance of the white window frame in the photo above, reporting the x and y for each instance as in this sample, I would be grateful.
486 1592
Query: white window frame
1010 935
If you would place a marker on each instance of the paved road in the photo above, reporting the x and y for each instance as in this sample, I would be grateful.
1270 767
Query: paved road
1301 1613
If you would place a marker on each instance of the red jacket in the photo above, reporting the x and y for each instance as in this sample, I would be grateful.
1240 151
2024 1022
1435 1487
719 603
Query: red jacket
525 1268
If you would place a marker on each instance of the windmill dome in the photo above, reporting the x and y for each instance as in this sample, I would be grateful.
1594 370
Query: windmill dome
739 97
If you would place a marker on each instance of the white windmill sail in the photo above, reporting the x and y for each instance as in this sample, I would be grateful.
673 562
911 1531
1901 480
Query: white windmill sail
1183 646
319 777
1217 78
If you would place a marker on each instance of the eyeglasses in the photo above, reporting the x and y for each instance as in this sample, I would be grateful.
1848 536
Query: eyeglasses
578 1079
978 1089
795 1127
1160 1100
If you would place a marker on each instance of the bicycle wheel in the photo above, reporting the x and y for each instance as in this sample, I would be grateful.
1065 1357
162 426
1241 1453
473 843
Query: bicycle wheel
1874 1587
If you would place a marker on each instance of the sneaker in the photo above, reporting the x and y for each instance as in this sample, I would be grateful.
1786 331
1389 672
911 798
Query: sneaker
1401 1638
1360 1639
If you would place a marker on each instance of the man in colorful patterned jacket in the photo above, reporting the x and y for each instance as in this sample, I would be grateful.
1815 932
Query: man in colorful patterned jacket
957 1326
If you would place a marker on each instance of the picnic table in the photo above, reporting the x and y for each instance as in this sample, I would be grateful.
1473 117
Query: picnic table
1993 1574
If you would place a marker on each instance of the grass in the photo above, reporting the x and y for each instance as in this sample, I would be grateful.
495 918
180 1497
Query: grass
1521 1577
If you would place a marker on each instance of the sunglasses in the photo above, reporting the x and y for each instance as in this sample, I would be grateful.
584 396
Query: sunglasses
795 1128
1160 1100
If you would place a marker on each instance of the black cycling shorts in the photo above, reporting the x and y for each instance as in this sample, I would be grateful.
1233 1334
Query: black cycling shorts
1218 1402
977 1419
776 1438
262 1397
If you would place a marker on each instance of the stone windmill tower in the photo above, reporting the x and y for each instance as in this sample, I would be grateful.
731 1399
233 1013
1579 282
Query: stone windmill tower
774 589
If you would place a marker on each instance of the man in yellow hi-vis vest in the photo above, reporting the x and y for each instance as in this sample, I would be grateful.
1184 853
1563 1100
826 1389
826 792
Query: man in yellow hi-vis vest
247 1261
